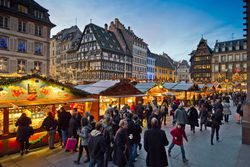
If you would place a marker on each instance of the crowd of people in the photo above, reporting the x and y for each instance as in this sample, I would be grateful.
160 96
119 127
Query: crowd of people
117 136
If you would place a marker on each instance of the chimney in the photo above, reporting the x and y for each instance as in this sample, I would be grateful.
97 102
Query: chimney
129 28
106 26
116 22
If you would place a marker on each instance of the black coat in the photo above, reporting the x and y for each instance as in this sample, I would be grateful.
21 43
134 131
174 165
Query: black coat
193 116
96 145
217 117
158 117
49 123
73 125
131 130
120 145
155 141
139 109
137 134
23 131
63 120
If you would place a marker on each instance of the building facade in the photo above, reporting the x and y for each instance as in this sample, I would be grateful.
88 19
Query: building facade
99 56
24 37
164 68
201 59
182 71
132 45
61 44
229 58
150 66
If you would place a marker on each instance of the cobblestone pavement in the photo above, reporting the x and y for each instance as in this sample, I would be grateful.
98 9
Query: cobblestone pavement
227 153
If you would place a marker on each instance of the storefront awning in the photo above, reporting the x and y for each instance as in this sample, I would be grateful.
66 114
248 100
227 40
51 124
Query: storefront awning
22 103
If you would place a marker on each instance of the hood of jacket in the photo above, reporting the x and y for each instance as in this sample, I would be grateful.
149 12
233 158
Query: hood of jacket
95 133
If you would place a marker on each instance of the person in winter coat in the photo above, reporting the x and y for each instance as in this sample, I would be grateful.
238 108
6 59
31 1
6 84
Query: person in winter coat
50 125
156 115
164 112
217 117
226 109
120 144
63 122
137 136
73 127
23 132
84 139
178 134
180 115
109 139
193 118
155 141
239 110
131 139
97 146
203 115
139 110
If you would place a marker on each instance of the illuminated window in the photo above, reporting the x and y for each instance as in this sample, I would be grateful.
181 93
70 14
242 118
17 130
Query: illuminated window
223 58
38 66
216 68
22 9
223 67
21 66
3 64
38 48
230 58
237 57
22 46
4 42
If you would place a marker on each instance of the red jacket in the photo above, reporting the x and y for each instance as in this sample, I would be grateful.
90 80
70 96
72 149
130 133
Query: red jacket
178 135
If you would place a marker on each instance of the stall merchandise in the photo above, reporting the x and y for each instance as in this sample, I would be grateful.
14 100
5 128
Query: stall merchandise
35 95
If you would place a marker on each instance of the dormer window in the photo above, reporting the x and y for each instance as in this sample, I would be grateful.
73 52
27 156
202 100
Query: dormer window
5 3
22 9
38 14
216 49
244 45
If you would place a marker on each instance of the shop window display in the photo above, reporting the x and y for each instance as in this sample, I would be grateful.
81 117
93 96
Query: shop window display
36 113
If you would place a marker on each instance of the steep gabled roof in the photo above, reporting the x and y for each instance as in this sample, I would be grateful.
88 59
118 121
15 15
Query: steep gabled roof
105 38
163 61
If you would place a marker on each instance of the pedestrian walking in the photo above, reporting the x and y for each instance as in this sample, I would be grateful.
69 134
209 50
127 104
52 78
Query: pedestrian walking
63 122
73 127
203 115
84 139
155 141
193 118
164 112
217 117
108 133
120 144
131 139
50 124
239 111
226 109
180 115
156 115
178 134
139 111
24 132
137 136
97 146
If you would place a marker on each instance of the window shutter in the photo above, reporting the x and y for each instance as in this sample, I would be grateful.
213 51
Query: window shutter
43 70
15 45
11 44
31 28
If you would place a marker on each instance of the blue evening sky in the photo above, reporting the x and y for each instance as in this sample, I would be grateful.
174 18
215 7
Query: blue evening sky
171 26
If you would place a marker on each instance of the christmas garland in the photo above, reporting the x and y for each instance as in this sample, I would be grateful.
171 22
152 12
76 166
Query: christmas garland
37 140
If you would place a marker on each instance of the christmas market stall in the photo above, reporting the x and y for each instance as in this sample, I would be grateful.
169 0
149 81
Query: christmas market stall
111 92
153 91
35 95
186 92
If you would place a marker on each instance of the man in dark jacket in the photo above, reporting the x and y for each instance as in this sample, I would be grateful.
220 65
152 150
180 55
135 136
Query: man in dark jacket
131 139
156 115
97 146
63 122
217 117
155 141
139 110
